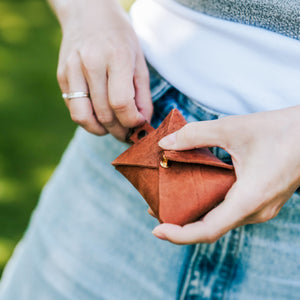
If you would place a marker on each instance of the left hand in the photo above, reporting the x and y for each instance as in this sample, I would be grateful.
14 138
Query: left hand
265 150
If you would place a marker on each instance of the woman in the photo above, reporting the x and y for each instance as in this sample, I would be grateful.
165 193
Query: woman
235 65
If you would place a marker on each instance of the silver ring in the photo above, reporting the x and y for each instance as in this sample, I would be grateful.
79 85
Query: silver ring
75 95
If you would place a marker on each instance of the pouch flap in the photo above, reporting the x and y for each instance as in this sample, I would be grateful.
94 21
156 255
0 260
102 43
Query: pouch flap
145 151
196 156
137 159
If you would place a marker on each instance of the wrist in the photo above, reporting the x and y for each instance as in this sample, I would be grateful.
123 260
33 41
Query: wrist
68 10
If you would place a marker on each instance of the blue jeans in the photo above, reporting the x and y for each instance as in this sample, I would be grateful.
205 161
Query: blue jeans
90 236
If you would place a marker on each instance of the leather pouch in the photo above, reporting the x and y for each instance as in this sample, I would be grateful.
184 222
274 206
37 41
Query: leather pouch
179 186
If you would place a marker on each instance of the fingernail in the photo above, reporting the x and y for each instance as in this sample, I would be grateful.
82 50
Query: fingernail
159 234
167 141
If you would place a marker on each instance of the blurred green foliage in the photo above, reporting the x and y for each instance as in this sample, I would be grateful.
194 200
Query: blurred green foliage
35 127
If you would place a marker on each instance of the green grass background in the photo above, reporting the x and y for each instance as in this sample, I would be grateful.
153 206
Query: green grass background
35 126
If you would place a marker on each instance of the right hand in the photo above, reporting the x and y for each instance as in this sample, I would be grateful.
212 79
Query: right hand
100 54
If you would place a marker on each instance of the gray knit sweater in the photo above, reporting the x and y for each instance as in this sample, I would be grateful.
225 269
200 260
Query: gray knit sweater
281 16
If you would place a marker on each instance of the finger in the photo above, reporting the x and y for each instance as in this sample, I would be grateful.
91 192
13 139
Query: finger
62 79
97 81
62 74
195 135
142 88
214 225
81 109
121 93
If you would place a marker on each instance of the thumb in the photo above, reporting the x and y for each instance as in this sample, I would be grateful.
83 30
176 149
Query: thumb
195 135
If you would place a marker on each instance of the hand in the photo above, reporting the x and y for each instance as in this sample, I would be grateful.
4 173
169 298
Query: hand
265 150
100 54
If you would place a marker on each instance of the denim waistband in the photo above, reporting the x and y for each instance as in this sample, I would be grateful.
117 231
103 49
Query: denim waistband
159 86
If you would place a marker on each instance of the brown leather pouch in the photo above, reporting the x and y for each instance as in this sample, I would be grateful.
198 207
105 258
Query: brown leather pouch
179 186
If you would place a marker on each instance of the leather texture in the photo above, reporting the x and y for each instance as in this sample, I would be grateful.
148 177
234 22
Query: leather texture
194 182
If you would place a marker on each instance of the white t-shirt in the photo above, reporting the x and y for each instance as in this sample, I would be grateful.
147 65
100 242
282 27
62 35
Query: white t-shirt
226 66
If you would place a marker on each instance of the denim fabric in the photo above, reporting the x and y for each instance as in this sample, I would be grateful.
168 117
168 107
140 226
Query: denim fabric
90 236
252 262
